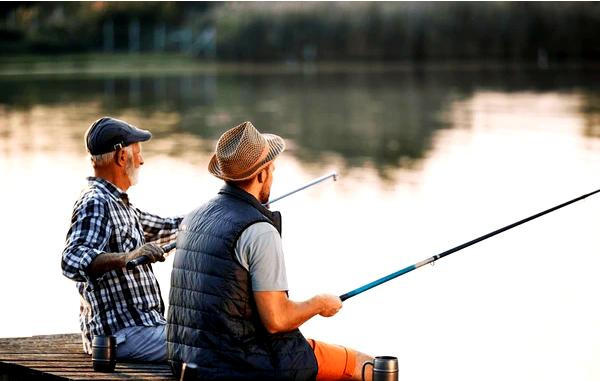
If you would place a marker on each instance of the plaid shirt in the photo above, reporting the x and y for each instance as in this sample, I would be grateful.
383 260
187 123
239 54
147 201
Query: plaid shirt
104 221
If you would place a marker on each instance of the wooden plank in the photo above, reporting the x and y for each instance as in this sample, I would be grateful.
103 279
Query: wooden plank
109 376
72 338
51 359
59 344
63 351
61 357
26 356
86 367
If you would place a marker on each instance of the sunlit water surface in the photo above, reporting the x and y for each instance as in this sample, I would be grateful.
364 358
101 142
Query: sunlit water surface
426 162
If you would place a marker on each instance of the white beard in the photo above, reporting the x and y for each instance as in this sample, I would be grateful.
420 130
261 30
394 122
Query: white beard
131 171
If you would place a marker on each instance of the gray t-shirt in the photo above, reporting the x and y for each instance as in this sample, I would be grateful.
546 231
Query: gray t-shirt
259 251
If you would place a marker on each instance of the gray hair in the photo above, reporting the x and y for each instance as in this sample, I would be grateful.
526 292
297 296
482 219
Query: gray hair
106 158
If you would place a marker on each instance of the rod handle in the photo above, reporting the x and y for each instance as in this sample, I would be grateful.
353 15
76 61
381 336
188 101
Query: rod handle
144 259
345 296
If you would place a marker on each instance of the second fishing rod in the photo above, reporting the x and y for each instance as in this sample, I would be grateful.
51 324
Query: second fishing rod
166 248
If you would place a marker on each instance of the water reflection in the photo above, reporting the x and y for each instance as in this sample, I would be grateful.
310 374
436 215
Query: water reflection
381 118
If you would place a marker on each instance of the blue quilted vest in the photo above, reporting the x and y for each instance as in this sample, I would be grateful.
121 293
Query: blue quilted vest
212 319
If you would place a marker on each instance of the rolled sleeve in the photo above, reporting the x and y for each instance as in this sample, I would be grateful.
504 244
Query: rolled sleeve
87 238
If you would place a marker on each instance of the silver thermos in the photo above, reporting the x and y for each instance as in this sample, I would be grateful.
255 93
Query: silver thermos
385 368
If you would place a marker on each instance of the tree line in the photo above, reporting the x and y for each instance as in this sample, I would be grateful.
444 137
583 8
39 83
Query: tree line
311 31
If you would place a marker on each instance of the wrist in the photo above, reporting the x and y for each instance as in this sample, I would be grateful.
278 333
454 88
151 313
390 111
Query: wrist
320 303
118 260
125 257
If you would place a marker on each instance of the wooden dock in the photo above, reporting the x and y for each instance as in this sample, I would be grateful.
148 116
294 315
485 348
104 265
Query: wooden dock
61 357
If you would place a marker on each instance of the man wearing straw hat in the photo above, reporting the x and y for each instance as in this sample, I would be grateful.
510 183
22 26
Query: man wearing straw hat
229 311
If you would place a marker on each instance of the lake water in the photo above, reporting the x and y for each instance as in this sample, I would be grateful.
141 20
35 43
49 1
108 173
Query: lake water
427 159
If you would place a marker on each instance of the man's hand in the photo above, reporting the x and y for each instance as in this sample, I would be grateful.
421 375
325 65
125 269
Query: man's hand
330 304
150 250
111 261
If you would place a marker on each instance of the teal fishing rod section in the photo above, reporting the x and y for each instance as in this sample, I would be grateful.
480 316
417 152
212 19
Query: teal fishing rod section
410 268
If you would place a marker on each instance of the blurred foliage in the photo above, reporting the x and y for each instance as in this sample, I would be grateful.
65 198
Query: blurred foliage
60 27
409 31
316 31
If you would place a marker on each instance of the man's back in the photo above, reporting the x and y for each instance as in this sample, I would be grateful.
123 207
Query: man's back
213 321
259 338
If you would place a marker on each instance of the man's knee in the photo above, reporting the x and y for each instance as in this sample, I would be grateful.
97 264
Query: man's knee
336 362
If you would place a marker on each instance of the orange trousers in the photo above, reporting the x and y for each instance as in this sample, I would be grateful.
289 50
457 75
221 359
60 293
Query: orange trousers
334 361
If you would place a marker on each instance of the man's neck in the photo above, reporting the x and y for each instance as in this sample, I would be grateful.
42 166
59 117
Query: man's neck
253 188
120 181
239 186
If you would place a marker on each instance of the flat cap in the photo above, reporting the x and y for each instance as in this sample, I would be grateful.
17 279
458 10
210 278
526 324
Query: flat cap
108 134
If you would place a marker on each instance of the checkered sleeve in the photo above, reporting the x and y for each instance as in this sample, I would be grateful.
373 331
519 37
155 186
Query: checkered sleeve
88 237
158 229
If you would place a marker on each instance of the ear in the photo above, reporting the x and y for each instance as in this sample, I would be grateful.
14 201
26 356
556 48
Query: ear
121 158
262 176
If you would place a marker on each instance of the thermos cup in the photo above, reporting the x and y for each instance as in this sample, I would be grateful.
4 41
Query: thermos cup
104 353
188 371
385 368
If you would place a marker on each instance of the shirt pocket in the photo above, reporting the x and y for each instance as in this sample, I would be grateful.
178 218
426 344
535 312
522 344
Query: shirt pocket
128 237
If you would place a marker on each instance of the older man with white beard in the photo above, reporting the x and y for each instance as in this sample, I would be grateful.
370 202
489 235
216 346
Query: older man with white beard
106 232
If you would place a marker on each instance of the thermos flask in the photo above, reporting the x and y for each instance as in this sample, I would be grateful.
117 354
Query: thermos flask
104 353
385 368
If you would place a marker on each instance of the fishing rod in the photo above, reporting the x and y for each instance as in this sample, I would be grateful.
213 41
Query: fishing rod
144 259
410 268
310 184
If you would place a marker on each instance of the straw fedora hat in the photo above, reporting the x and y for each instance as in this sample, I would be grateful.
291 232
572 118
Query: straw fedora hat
243 151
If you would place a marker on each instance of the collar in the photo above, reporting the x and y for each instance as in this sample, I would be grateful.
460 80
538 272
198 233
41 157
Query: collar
232 190
108 188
